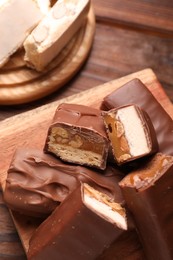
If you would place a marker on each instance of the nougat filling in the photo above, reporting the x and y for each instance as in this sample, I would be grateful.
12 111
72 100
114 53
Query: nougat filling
104 206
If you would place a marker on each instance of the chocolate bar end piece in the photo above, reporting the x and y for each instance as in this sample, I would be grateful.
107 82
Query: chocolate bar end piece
80 228
77 135
149 173
135 92
148 192
130 132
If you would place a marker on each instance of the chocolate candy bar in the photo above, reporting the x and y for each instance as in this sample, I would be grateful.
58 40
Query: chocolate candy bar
130 132
54 32
148 192
135 92
37 182
82 227
126 247
77 135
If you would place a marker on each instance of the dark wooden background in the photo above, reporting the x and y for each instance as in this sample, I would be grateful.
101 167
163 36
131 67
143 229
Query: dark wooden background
130 36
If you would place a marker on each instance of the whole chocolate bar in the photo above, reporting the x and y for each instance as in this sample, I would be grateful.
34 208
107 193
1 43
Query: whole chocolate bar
37 182
148 192
135 92
130 132
82 227
77 135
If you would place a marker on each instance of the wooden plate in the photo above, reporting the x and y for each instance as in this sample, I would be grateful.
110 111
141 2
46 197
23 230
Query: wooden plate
19 84
30 128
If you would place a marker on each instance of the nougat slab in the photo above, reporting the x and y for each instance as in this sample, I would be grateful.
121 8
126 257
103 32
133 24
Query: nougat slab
54 32
130 132
77 135
17 19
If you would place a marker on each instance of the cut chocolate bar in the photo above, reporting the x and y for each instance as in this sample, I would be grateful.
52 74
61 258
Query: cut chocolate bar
130 132
37 182
148 193
82 227
135 92
54 32
77 135
17 19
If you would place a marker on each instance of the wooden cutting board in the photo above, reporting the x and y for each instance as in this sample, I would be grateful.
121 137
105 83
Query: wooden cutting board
30 128
20 84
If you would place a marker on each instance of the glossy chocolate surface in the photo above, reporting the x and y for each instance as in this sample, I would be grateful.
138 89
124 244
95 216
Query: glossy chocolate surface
38 182
135 92
151 206
80 115
126 247
72 231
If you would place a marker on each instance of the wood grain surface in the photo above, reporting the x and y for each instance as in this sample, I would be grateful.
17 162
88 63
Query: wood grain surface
130 36
18 131
147 14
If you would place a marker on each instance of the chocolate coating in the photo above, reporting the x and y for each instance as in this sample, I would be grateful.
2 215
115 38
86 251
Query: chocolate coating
148 192
77 135
80 115
135 92
72 231
126 247
38 182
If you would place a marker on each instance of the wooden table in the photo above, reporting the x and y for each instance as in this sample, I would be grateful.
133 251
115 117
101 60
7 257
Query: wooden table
130 36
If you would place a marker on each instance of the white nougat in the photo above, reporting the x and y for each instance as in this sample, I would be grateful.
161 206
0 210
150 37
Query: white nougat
101 205
134 131
105 211
17 19
54 32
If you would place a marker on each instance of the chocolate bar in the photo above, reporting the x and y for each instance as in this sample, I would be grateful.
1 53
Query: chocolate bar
37 183
54 32
135 92
77 135
82 227
148 193
126 247
130 132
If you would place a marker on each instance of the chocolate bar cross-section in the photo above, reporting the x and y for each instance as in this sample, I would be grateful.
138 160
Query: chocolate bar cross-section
77 135
135 92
